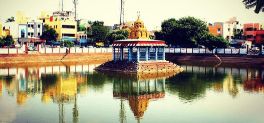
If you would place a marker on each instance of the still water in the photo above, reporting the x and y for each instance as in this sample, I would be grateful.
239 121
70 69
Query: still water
76 93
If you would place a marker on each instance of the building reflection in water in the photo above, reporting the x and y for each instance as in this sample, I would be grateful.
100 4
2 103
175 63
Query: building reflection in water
56 84
193 83
63 84
138 91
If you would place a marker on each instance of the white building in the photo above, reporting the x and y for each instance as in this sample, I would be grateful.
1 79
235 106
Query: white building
30 30
231 27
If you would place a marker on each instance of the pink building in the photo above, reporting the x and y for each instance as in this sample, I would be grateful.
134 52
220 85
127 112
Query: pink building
259 36
250 30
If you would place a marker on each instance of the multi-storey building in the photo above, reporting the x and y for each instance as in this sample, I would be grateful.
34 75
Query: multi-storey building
250 31
259 36
216 29
227 29
63 22
30 30
21 18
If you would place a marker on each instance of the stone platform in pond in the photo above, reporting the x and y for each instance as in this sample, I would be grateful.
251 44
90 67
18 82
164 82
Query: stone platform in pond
140 67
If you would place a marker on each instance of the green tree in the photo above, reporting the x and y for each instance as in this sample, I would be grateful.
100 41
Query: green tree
99 31
2 42
188 32
210 41
257 4
68 43
49 34
117 35
185 32
11 19
8 40
81 26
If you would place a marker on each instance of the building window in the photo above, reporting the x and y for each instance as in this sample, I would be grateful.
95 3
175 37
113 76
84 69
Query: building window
249 36
249 29
38 25
142 52
68 35
160 53
228 29
68 26
39 34
152 53
218 30
22 33
28 25
28 34
32 26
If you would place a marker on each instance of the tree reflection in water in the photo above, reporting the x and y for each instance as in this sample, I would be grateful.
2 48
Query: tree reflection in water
137 91
193 83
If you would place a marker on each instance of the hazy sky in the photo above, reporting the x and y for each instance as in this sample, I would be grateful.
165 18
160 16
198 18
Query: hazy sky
153 12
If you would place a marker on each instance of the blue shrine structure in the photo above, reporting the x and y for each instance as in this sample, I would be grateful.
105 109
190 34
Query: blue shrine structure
139 53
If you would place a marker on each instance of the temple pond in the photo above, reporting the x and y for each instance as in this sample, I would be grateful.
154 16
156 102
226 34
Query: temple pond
76 93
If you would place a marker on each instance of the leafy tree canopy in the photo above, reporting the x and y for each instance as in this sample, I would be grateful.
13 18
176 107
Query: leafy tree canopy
98 32
117 35
257 4
185 32
68 43
49 34
11 19
188 32
6 41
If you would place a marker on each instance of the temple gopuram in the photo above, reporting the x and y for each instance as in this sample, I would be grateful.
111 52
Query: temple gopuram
139 53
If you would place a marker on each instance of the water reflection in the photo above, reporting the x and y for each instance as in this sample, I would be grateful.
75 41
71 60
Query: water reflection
59 86
139 91
62 86
62 89
195 81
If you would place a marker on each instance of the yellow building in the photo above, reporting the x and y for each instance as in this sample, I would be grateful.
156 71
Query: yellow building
4 32
63 22
1 29
21 18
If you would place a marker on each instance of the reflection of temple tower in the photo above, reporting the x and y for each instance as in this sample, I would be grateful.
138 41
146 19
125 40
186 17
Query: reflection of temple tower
138 93
122 115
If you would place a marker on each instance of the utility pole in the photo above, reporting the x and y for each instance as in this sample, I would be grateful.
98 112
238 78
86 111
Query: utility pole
75 2
61 5
122 13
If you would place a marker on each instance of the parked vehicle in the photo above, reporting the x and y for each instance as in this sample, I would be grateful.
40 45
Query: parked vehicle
32 48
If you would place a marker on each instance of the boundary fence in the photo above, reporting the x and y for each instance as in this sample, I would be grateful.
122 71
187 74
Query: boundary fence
222 51
50 50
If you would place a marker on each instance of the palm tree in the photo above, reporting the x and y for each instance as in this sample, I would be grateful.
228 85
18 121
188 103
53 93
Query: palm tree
258 4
